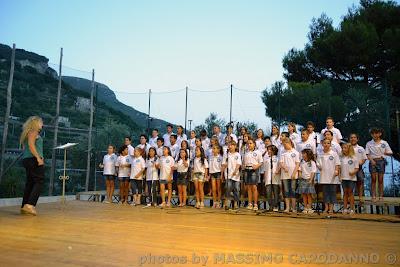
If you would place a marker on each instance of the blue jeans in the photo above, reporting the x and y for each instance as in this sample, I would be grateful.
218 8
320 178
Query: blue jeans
234 186
289 188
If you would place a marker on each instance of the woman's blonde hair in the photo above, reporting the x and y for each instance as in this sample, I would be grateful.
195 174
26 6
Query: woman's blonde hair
351 153
31 124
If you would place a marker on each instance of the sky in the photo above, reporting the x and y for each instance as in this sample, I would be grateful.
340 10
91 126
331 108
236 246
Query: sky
166 45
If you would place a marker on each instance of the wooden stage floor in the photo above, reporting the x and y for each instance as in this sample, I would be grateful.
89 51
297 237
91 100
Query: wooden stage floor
94 234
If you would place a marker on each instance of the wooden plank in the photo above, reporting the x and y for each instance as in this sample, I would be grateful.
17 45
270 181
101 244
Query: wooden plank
95 234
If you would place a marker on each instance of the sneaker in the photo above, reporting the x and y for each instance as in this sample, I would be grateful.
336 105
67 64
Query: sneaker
132 204
305 211
106 202
311 211
168 205
294 211
286 211
250 206
255 208
162 205
197 205
201 205
351 212
148 205
235 206
275 209
345 211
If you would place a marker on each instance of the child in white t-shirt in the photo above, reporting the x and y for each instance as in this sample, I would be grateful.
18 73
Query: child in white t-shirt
275 136
305 142
252 162
152 176
231 166
376 150
362 157
349 165
182 168
289 162
137 169
293 135
308 168
200 171
337 136
165 165
328 163
109 172
123 166
215 166
272 179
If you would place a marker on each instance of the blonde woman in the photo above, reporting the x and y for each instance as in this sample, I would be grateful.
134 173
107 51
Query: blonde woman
32 144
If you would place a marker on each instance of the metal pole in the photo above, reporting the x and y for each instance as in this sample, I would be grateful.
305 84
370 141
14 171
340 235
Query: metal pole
148 115
53 153
95 138
230 109
190 125
8 110
90 135
186 104
398 128
387 104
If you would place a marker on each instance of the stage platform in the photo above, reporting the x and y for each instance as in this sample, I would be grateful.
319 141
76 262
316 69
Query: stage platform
82 233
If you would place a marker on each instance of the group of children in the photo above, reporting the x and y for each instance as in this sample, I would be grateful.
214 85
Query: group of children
284 163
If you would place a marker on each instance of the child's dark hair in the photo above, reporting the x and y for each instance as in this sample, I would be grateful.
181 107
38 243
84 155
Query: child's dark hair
202 155
174 136
376 130
221 152
170 125
152 149
203 132
186 154
267 138
187 143
129 138
143 135
160 139
328 131
155 129
286 134
304 130
309 154
110 145
274 149
122 148
310 123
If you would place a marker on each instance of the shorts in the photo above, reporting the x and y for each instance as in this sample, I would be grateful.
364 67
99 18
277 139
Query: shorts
289 187
348 184
137 186
379 166
165 181
216 175
124 179
109 177
182 178
329 193
250 176
305 187
360 175
198 176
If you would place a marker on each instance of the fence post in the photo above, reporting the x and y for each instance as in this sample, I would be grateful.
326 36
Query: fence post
8 110
90 135
55 142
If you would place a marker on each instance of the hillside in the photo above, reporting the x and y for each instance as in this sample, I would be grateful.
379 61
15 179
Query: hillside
107 96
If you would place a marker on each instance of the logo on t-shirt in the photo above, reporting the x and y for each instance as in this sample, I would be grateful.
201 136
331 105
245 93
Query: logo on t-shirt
330 157
137 161
218 160
309 164
167 161
127 160
293 155
350 162
236 157
359 150
308 146
112 157
383 146
254 154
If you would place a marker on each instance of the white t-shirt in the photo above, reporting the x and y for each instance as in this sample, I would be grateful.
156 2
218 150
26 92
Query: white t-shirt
109 164
275 141
295 137
234 137
151 170
221 138
181 167
205 143
360 153
347 165
267 171
233 160
377 150
288 159
198 167
124 171
311 137
307 168
138 164
208 152
174 150
215 163
306 145
252 157
327 163
180 138
265 156
166 137
153 141
166 164
131 151
260 144
160 151
337 135
146 147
